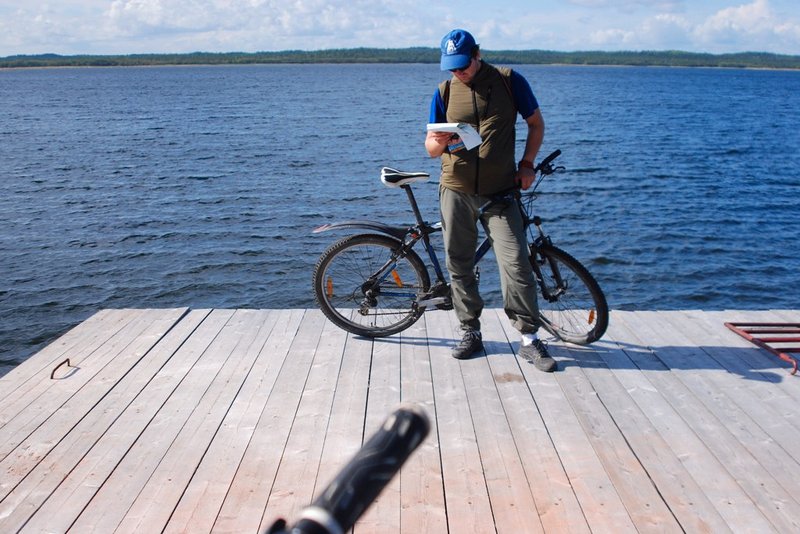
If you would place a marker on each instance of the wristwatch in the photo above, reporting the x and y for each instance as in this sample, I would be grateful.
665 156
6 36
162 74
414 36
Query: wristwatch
525 163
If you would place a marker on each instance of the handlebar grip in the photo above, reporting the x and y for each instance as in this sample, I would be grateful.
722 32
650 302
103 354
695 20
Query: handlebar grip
343 501
546 161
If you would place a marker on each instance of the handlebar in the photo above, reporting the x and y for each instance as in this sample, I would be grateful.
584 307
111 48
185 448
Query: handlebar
544 166
354 488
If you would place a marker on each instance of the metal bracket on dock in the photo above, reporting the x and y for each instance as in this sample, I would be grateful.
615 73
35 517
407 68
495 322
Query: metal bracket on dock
774 337
53 374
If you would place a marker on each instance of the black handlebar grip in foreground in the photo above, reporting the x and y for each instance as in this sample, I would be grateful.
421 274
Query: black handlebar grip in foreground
546 161
343 501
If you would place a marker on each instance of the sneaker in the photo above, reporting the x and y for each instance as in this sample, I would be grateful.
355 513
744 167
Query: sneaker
469 345
537 354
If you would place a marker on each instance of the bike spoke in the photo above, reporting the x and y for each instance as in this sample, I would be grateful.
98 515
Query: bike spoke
572 305
365 274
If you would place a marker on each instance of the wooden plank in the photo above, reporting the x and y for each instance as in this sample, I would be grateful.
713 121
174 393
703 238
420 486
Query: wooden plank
174 427
637 407
346 427
84 338
758 459
422 498
513 506
152 507
708 332
294 482
693 424
632 481
601 504
770 366
198 507
246 501
26 413
384 396
466 497
44 481
225 420
144 427
64 403
555 501
728 348
766 375
786 316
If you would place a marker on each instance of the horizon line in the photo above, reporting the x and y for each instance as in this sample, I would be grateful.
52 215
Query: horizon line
373 48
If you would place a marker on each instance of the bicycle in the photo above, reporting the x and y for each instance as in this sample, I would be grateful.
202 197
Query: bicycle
375 284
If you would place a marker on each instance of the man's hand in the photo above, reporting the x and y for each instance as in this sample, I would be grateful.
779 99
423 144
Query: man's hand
525 177
441 138
436 142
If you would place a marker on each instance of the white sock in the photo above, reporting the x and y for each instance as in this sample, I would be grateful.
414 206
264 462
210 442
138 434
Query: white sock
528 339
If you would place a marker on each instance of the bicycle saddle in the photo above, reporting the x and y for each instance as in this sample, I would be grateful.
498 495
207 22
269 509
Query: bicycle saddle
394 178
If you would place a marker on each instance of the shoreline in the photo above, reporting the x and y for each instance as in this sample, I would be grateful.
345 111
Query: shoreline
334 64
741 60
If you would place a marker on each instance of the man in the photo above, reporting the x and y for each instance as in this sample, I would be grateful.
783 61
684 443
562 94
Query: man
489 99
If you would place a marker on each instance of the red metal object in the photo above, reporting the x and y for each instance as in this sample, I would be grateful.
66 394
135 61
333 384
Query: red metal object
768 335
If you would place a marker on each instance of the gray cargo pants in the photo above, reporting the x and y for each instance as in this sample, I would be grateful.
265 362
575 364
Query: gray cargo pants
506 232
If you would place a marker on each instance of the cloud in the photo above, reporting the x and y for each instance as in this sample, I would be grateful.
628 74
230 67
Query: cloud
268 24
630 5
666 31
141 26
753 26
657 32
743 27
35 28
136 26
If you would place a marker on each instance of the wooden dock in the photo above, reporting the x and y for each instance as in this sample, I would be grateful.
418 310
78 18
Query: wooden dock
196 421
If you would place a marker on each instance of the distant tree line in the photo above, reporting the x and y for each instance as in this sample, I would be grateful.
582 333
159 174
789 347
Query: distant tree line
414 55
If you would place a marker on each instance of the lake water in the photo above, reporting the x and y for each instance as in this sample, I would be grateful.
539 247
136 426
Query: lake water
199 186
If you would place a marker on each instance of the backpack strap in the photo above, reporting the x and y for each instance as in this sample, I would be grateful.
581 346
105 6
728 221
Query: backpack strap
444 92
505 75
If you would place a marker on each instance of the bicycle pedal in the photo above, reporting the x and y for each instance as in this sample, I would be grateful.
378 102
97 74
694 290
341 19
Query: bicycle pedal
431 302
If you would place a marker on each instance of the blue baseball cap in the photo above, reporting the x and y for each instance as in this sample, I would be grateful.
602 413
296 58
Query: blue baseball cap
457 49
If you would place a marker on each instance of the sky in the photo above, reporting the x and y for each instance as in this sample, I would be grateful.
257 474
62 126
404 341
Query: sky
71 27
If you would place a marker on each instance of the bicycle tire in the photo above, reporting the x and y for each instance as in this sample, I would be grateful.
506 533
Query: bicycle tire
339 282
577 312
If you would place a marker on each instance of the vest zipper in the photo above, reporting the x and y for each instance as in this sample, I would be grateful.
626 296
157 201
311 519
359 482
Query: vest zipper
478 120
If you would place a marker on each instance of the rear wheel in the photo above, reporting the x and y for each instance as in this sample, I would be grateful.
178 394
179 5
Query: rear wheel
363 287
572 306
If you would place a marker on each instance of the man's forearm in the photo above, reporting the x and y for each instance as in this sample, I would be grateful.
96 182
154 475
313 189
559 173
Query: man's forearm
535 136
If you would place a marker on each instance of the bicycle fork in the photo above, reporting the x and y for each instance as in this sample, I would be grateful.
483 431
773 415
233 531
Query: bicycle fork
538 259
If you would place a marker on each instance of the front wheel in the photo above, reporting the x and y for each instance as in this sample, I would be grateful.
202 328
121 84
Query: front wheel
364 286
572 305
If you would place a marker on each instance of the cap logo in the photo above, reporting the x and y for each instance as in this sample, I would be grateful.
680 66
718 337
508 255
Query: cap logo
451 47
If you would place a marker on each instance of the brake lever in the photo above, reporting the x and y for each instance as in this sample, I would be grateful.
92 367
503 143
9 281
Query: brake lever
548 169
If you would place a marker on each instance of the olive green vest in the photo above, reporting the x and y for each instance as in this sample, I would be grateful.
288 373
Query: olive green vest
487 104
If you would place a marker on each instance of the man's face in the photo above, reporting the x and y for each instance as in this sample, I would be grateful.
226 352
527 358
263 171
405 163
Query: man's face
466 74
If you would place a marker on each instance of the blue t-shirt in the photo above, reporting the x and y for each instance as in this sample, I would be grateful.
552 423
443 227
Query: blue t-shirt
521 89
